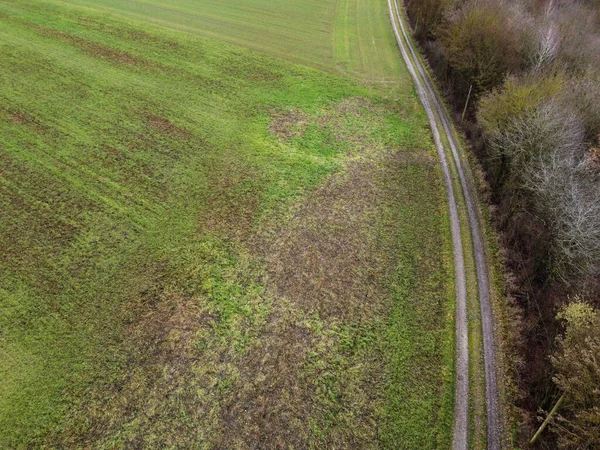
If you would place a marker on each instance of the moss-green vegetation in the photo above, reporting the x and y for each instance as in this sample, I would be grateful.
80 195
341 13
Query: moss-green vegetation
203 246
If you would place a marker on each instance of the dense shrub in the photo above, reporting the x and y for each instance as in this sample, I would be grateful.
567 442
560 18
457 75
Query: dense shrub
505 115
518 96
482 43
577 365
427 15
579 41
584 94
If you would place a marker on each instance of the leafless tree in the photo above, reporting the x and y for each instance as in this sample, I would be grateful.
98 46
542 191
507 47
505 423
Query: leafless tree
547 159
584 94
547 38
568 199
536 133
580 41
548 155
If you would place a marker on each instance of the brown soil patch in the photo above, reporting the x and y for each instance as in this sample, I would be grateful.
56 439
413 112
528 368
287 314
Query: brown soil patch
19 118
126 33
94 49
271 405
325 261
100 51
160 381
287 125
165 126
91 48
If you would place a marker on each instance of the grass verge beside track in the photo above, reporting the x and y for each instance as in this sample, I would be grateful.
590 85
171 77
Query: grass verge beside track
484 333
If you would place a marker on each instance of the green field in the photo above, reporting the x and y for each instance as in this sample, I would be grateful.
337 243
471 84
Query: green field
351 37
222 225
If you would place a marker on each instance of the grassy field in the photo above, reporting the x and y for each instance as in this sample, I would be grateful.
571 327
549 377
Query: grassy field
208 246
347 36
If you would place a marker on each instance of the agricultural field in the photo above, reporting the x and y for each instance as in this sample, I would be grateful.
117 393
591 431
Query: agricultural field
347 36
223 225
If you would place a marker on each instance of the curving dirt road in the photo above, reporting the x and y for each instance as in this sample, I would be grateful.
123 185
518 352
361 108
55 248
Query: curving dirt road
437 116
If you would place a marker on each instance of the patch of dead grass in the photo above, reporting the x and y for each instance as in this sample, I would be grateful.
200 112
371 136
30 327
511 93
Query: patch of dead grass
327 263
233 200
165 126
160 398
271 403
291 124
44 212
323 261
287 125
326 268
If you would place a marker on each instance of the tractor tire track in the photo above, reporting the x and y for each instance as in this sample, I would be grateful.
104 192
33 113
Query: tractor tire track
428 96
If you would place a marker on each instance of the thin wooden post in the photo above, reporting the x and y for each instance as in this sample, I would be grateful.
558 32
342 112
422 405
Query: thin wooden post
466 104
545 424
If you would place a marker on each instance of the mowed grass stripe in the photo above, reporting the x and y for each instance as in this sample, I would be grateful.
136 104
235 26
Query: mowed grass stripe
296 30
351 35
364 44
65 162
148 176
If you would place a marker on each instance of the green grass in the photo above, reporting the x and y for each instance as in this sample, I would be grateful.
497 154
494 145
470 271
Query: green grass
152 176
351 36
297 30
364 46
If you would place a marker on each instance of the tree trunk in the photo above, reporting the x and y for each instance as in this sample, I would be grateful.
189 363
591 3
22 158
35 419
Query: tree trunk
545 424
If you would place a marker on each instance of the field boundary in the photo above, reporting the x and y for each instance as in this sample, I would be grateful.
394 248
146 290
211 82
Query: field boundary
428 95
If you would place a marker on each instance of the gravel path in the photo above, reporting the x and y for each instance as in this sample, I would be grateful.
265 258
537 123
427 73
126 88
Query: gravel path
433 105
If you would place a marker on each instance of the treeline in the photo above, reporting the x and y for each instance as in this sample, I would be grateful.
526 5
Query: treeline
529 70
